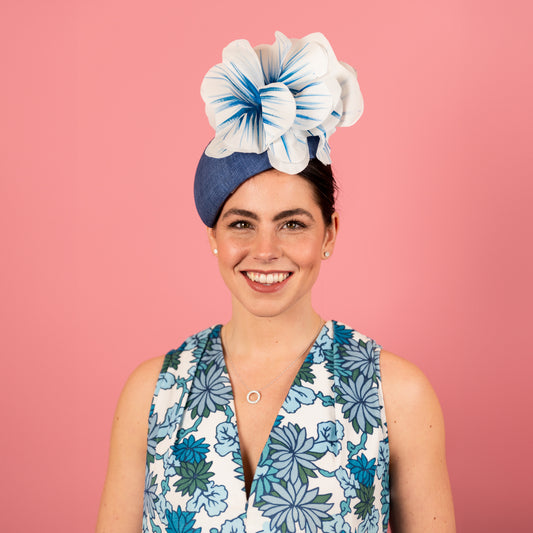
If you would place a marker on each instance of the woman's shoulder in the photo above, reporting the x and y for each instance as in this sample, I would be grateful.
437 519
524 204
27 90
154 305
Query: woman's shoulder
414 415
417 446
146 373
137 393
404 383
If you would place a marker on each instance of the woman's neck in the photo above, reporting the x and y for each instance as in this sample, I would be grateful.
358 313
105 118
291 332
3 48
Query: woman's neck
279 338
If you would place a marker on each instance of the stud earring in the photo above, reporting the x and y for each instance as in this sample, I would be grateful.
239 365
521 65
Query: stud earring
215 251
326 254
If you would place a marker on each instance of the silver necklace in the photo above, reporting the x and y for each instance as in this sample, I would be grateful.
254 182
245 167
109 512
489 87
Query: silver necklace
254 395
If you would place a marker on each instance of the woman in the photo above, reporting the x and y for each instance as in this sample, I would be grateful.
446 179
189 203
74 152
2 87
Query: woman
278 420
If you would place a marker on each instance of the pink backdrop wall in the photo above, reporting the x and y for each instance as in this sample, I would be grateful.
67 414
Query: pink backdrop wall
105 263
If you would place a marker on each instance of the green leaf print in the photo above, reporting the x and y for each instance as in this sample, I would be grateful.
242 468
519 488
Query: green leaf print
172 360
366 497
305 375
193 476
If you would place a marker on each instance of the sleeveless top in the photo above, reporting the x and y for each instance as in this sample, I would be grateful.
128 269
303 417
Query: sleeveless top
324 467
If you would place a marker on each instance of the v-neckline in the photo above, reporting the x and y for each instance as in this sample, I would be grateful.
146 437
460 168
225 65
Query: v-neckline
248 497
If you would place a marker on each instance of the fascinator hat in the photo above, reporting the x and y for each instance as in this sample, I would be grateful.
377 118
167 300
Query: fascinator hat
272 106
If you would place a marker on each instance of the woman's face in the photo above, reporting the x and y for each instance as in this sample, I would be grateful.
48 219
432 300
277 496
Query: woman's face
271 239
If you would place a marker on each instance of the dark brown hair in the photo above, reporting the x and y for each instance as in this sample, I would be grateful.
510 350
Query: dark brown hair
321 177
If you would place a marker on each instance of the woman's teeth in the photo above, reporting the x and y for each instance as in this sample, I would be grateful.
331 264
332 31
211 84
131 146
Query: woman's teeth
267 279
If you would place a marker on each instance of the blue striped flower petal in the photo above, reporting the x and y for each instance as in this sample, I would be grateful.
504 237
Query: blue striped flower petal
220 96
231 92
305 62
278 110
313 104
245 134
272 56
274 96
323 148
217 149
289 153
347 78
244 69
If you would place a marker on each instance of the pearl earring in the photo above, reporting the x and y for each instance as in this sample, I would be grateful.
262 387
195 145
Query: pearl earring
215 251
326 254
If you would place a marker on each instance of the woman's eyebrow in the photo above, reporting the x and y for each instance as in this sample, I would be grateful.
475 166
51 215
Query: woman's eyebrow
291 213
240 213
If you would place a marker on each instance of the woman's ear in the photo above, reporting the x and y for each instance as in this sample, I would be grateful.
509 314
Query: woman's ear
211 236
331 235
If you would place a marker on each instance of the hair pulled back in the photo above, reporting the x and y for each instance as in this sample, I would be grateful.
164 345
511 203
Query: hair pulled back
325 187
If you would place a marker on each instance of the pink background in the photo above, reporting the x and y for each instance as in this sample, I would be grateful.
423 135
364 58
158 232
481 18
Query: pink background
105 262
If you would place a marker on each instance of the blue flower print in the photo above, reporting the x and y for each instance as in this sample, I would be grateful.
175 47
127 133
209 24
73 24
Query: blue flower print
341 334
348 482
213 499
361 403
181 522
212 355
383 458
197 341
190 343
278 421
295 504
363 469
150 494
191 450
337 525
227 439
210 391
361 356
165 381
170 462
329 436
153 430
297 396
385 498
267 528
233 526
370 523
264 476
292 452
319 471
322 347
162 505
171 421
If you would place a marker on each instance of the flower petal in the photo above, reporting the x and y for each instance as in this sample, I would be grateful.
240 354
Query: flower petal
245 134
351 95
274 96
271 57
290 153
278 110
347 77
323 149
305 62
231 93
217 149
244 68
313 105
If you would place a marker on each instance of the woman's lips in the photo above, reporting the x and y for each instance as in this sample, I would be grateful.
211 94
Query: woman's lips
266 281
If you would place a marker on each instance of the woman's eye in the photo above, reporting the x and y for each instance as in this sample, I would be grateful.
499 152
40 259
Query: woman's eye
294 224
240 224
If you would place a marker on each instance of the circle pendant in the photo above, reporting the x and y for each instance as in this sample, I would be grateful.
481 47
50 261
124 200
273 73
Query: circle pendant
253 396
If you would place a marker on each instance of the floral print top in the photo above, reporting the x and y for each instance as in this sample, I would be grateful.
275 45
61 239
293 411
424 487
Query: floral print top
325 466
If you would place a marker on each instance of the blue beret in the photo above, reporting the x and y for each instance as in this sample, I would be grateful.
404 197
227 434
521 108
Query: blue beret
217 178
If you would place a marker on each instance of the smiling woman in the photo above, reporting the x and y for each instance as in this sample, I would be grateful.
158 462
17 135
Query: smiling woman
271 239
276 420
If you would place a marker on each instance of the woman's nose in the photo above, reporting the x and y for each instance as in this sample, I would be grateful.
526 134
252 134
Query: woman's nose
266 246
